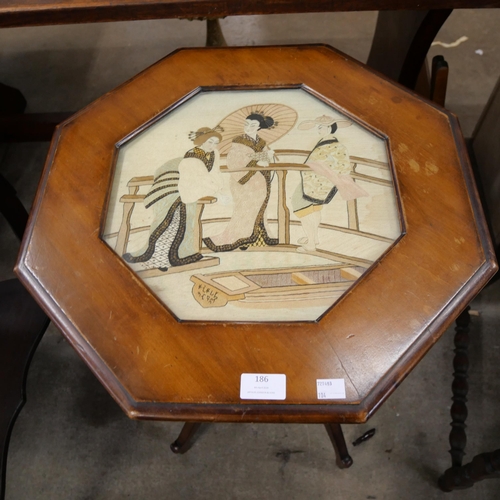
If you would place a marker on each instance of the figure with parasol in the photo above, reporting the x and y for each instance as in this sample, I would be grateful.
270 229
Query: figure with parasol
250 189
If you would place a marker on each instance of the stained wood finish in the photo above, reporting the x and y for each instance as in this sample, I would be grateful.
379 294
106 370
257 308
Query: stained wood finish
402 40
483 466
460 388
439 80
158 368
400 44
184 441
394 34
39 12
336 436
420 45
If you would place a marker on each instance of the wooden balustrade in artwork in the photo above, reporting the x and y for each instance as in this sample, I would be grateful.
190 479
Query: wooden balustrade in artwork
283 213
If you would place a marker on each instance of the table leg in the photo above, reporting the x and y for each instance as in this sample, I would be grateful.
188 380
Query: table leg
460 387
344 460
336 436
183 442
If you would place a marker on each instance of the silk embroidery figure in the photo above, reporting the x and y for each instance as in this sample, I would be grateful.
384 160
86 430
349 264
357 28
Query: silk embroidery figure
329 173
178 185
250 190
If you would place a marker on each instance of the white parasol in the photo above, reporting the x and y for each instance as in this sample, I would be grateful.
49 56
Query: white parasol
284 118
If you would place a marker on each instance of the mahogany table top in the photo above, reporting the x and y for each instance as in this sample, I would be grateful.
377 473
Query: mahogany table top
162 360
40 12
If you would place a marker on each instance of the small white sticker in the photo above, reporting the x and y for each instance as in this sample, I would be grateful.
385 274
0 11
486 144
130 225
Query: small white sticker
263 386
330 388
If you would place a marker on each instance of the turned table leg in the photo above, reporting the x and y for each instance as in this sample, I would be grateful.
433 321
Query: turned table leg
344 460
484 465
183 442
336 436
458 411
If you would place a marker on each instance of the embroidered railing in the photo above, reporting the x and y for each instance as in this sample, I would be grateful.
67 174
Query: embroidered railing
283 221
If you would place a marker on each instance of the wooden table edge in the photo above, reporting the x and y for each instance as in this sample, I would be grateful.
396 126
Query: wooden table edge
65 12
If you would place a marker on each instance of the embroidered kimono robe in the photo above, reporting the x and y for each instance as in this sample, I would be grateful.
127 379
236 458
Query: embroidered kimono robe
177 186
250 192
329 173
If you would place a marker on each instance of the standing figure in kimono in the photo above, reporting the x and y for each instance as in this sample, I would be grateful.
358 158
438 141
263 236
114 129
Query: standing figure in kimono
329 173
250 190
178 185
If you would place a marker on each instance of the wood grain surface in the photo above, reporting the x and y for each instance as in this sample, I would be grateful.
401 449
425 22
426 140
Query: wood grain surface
156 367
39 12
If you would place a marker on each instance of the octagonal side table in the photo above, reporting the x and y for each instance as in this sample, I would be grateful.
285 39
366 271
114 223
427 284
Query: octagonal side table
266 234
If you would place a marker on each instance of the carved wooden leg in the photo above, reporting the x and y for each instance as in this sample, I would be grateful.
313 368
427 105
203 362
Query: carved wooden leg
183 442
458 438
483 466
336 436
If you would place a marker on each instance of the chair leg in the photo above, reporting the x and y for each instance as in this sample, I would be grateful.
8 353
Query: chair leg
402 40
336 436
183 442
483 466
458 476
460 387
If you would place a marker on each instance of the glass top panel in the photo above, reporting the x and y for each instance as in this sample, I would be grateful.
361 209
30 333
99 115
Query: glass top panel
252 205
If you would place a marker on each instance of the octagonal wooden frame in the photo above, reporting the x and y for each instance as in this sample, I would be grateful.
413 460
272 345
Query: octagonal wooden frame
206 89
158 368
